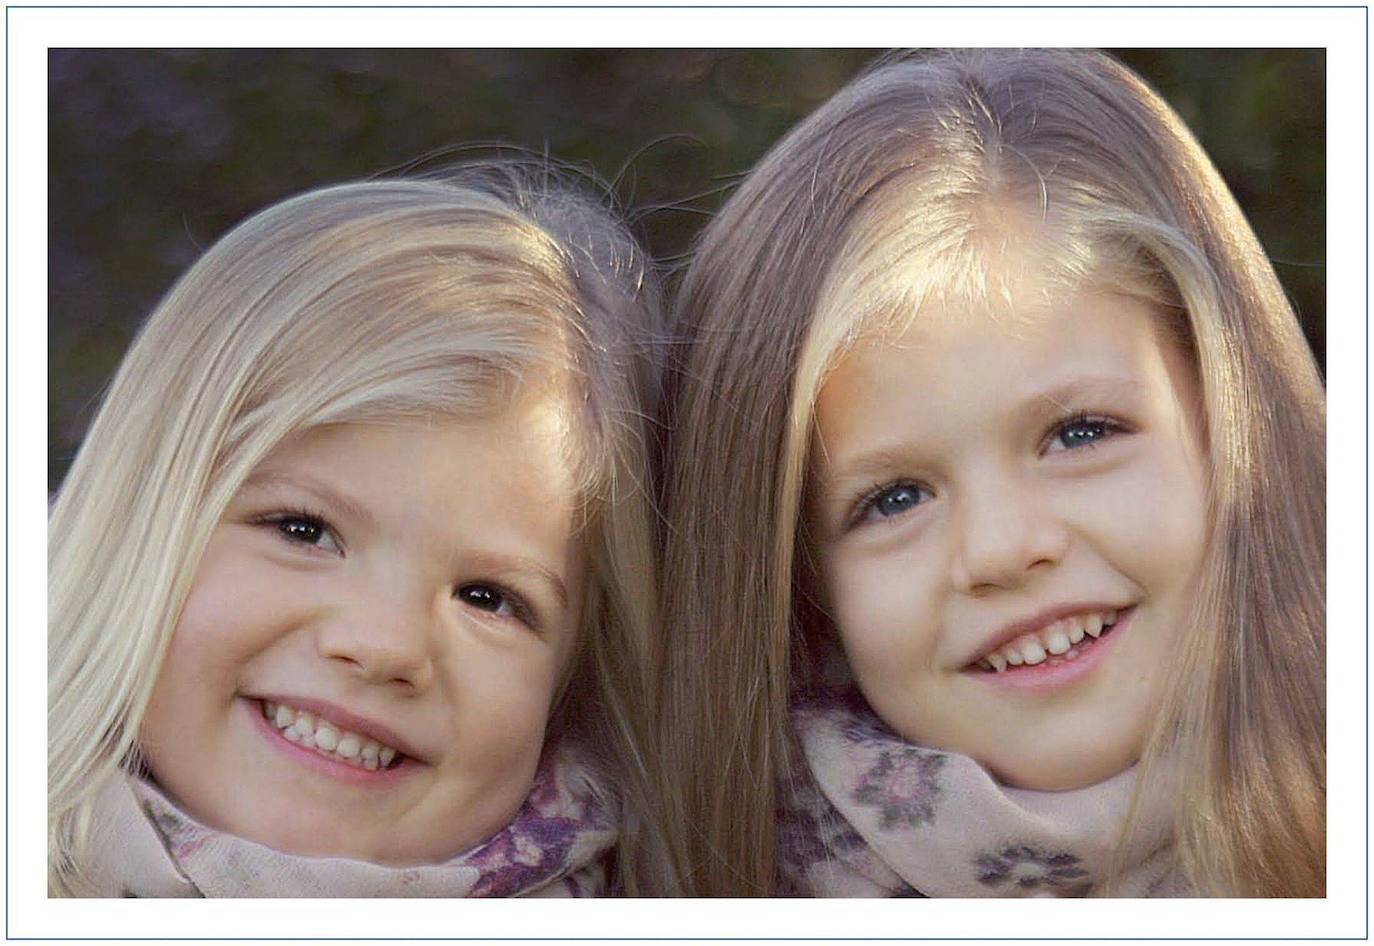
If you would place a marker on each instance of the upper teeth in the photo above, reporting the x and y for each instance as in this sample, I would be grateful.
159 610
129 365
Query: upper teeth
1059 637
312 732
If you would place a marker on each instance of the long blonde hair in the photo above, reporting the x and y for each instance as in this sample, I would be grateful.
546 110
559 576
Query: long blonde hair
380 301
897 168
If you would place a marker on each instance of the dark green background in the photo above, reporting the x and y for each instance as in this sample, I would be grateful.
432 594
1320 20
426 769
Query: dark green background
154 154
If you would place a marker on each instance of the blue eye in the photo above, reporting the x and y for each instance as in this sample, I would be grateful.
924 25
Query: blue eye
891 501
896 500
1082 432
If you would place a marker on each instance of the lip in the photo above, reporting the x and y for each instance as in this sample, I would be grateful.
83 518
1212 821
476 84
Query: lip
1056 672
1010 632
321 764
341 719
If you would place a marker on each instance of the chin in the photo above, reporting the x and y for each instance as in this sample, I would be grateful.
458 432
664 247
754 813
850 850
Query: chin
1060 772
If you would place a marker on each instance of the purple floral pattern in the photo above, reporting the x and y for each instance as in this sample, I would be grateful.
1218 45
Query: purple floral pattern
556 844
921 822
1026 867
903 785
538 846
811 831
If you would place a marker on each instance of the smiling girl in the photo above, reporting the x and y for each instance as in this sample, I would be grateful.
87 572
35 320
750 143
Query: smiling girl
350 570
1008 551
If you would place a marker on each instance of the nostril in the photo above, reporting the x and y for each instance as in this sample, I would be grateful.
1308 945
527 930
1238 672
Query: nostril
396 658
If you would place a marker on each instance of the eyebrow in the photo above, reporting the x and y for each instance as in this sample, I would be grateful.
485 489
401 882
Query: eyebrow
1106 386
865 466
268 479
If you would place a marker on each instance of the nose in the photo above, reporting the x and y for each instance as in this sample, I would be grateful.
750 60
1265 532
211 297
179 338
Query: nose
1006 533
387 646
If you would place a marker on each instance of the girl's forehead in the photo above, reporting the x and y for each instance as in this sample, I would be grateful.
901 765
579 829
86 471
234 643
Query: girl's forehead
955 341
539 418
1009 302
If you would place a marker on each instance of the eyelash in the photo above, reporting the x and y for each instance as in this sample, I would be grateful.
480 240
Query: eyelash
279 520
519 610
1110 427
868 502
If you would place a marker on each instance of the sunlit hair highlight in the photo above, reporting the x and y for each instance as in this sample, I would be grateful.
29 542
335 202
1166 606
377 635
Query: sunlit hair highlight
948 176
386 301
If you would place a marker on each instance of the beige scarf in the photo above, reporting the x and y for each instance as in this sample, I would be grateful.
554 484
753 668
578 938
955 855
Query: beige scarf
144 846
875 816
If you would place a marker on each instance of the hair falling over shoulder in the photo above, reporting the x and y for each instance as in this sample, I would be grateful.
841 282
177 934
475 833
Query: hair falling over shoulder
899 164
389 300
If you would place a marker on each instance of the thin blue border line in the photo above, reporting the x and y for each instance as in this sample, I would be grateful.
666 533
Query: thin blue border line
1366 467
694 6
1365 938
7 471
680 939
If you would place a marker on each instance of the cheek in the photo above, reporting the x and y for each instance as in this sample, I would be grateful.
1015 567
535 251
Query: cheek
236 606
504 705
883 610
1149 519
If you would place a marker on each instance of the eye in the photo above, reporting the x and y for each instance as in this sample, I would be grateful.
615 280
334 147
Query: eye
300 528
1082 431
890 501
493 600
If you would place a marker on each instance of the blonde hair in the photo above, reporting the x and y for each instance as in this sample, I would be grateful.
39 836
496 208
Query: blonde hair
382 301
888 195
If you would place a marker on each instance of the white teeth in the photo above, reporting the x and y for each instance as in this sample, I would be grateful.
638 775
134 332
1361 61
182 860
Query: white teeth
1030 648
302 728
1057 639
326 738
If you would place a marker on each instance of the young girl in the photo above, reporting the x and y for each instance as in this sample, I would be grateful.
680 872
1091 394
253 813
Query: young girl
998 454
355 562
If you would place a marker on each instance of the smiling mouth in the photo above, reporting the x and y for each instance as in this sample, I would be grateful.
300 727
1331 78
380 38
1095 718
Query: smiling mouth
1056 642
341 745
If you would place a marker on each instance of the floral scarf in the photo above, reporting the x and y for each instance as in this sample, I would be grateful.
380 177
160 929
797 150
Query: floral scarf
875 816
145 846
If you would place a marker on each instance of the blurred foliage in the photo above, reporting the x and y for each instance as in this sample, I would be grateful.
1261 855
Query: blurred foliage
154 154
